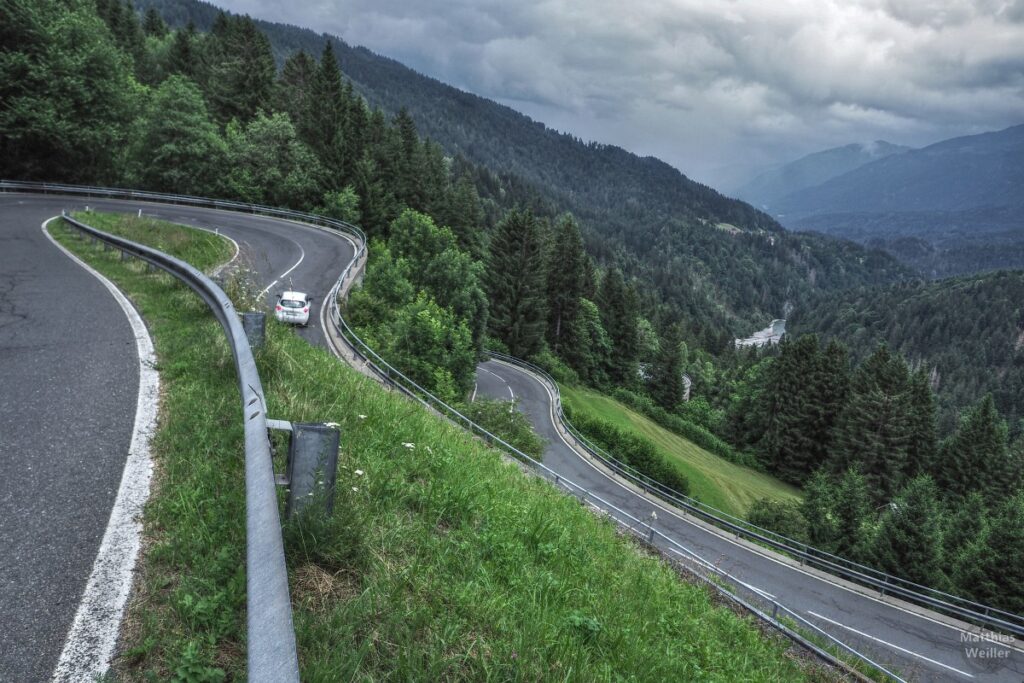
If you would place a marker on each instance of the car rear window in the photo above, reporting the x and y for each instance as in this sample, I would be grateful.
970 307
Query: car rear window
290 303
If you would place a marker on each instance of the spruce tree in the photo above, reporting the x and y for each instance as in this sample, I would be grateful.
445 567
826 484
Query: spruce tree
515 284
817 508
852 510
618 304
567 266
873 431
807 389
323 123
909 540
153 24
976 456
998 573
666 379
922 445
294 86
242 70
182 57
964 540
461 211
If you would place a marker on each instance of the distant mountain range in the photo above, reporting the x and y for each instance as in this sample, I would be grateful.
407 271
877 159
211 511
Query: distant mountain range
953 207
814 169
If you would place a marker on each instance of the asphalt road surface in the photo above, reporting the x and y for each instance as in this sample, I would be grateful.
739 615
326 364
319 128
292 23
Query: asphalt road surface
62 455
68 389
909 640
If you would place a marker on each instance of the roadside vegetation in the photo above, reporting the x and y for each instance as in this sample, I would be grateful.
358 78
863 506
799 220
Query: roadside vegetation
441 561
712 480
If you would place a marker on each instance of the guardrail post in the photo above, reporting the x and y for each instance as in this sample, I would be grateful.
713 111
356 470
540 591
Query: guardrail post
255 325
312 465
125 255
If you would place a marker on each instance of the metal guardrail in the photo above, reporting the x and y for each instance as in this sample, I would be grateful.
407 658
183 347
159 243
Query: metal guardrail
886 584
393 377
270 636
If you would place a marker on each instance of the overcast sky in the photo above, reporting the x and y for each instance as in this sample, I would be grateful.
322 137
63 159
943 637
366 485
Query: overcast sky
711 86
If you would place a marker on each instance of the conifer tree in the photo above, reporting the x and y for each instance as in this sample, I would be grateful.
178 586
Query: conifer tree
153 24
408 161
806 389
515 284
323 123
242 70
666 379
909 540
461 211
975 457
852 510
965 540
566 279
923 443
618 304
183 57
294 86
817 506
994 572
873 431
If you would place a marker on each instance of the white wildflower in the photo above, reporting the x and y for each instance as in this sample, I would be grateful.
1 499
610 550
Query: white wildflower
409 445
355 489
361 417
359 473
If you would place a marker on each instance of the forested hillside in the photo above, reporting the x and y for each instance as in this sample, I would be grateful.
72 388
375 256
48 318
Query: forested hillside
951 208
812 170
465 257
718 265
967 333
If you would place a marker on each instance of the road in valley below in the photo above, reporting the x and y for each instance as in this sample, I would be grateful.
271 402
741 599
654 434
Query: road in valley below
915 642
45 521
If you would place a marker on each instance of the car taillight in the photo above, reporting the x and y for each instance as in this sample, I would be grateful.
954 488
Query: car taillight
306 309
277 308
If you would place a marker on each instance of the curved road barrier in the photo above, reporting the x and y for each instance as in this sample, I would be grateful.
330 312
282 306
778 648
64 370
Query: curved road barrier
345 343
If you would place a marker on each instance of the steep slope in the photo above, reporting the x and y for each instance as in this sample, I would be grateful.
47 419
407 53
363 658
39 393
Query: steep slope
716 263
968 331
812 170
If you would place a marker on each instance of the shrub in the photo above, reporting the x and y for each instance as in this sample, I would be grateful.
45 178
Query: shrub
633 450
782 517
502 419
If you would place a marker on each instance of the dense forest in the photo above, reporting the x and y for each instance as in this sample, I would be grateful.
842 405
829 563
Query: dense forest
966 333
465 258
881 486
715 264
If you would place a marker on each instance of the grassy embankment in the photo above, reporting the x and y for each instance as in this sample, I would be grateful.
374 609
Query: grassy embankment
713 480
442 561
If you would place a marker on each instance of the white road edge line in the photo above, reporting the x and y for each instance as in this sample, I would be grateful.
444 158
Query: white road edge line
178 220
90 643
682 517
888 644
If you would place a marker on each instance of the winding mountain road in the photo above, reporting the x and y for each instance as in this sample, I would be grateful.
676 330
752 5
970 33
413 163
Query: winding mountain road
921 645
57 494
68 391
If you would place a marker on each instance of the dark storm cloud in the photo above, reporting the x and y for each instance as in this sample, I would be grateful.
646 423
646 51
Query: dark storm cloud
709 83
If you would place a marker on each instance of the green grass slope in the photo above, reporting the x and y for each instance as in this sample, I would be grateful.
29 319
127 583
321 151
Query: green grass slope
713 480
442 561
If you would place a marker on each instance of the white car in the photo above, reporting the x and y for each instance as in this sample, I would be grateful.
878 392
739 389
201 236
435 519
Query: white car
293 307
